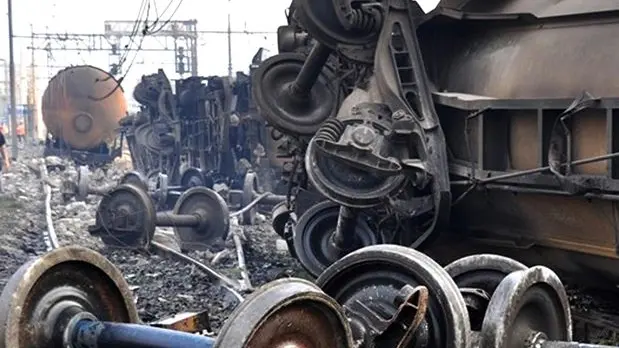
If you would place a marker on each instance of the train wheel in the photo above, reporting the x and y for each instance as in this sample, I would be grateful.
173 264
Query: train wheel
369 284
250 190
83 182
212 208
287 313
313 236
526 306
40 296
193 177
136 178
272 81
478 276
126 218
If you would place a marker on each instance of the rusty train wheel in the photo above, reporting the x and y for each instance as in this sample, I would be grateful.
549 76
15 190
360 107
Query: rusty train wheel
374 276
287 313
478 276
126 218
212 208
525 305
69 278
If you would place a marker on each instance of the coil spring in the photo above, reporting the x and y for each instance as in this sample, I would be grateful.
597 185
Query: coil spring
331 130
363 21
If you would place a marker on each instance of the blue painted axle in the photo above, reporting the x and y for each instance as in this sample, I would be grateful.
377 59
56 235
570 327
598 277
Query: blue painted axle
97 334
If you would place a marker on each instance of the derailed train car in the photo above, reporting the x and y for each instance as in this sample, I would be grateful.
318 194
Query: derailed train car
81 108
480 126
205 123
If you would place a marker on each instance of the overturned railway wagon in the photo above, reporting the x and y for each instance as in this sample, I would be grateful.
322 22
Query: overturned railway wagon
205 127
527 97
480 126
81 107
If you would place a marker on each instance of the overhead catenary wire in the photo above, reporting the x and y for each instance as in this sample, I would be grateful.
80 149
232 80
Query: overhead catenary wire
144 32
147 30
155 31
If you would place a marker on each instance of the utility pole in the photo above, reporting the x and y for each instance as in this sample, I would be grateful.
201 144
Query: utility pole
33 124
12 84
229 41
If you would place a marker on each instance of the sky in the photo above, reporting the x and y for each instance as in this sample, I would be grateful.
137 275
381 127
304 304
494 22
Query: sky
79 16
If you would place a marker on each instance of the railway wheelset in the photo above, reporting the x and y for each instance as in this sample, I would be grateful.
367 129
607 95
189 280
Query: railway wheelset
379 296
155 183
127 215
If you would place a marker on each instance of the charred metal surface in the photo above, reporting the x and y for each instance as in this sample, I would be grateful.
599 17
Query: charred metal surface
533 148
371 302
379 296
526 305
61 281
209 124
495 121
287 313
383 153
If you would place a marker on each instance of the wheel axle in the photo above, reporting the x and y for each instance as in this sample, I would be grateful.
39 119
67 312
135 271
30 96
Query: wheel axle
126 217
250 193
162 193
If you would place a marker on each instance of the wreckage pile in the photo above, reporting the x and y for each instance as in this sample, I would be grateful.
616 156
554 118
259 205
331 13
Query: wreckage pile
162 287
151 286
73 296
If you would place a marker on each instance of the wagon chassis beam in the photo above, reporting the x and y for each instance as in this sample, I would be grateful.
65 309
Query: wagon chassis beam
485 169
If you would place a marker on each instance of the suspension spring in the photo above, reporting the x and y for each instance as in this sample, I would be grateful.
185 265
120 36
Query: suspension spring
365 21
331 130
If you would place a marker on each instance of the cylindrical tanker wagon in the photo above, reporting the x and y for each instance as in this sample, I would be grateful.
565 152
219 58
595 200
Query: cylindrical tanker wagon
81 108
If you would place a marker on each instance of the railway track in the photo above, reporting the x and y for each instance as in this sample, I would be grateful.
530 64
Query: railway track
596 316
49 235
596 327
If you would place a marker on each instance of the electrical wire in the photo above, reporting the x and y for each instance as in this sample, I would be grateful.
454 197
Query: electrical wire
180 2
144 32
147 30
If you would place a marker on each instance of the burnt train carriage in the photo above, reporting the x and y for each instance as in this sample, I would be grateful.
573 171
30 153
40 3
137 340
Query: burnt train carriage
208 123
494 120
527 87
153 133
81 108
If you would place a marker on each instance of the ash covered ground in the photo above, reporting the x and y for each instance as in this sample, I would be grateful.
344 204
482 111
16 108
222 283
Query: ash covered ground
163 286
